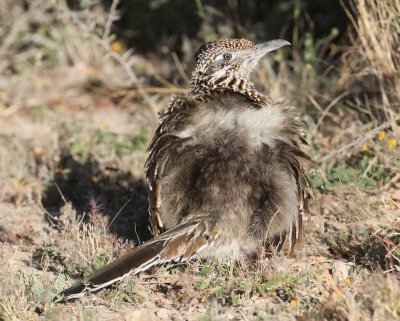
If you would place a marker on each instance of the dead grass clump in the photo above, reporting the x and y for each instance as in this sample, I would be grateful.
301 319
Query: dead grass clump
26 161
327 311
372 63
42 65
349 293
382 296
372 249
25 293
75 37
82 246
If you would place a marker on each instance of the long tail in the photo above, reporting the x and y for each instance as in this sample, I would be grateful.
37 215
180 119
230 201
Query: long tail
178 244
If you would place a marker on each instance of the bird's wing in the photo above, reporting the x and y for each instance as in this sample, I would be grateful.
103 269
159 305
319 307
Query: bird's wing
176 245
163 149
294 157
288 149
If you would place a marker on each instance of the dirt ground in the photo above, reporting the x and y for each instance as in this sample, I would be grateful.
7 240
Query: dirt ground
347 268
73 138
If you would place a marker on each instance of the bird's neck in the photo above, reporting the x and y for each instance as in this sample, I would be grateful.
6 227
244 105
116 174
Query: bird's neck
242 86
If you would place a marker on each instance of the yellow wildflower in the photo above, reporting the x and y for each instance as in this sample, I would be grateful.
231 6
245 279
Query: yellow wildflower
116 46
38 151
364 147
103 125
392 143
347 281
293 302
381 135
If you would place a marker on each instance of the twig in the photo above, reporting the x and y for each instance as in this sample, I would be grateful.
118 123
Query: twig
61 194
119 212
179 67
327 109
53 220
358 142
131 75
163 81
150 90
13 109
314 103
370 164
113 16
243 316
391 183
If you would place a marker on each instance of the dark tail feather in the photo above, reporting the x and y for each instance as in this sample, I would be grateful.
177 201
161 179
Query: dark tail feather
287 240
295 234
135 261
178 244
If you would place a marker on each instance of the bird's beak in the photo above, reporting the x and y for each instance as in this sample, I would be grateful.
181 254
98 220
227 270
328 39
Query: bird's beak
265 47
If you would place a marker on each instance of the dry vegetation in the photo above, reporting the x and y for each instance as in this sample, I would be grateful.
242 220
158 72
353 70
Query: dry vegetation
75 117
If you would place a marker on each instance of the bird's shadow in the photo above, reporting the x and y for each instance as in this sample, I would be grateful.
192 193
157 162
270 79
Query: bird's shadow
120 196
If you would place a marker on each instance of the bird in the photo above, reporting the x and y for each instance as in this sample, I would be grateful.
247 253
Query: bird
225 169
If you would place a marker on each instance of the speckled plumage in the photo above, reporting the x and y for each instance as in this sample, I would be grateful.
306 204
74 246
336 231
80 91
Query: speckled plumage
207 77
224 169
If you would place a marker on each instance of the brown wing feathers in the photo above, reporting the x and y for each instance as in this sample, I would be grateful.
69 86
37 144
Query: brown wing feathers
176 245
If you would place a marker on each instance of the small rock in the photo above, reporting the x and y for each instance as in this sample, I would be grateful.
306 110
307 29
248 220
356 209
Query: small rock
163 313
341 270
150 305
138 315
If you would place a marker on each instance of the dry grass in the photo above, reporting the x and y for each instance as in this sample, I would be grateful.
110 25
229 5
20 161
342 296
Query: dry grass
375 56
72 195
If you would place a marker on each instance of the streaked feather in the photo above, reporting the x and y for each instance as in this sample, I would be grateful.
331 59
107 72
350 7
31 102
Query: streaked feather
176 245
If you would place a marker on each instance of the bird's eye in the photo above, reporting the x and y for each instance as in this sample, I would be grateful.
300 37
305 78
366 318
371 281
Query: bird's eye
227 56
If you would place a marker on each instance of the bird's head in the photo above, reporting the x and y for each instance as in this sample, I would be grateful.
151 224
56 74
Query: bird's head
228 63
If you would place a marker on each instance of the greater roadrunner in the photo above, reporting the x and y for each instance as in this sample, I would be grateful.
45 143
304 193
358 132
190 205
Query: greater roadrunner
224 169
